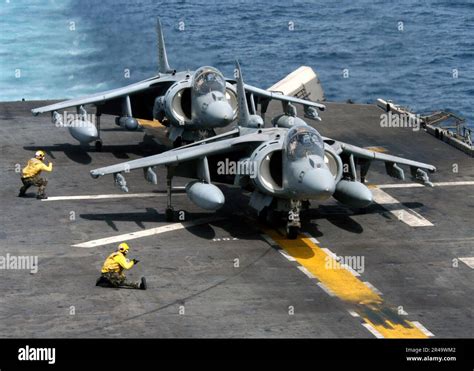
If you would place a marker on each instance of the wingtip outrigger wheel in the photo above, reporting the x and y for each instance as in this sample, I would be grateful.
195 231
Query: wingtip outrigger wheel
169 214
98 145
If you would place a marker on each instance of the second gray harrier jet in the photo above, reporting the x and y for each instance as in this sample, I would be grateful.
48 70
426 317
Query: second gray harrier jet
173 106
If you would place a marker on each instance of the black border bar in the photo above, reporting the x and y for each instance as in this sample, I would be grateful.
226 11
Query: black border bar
122 352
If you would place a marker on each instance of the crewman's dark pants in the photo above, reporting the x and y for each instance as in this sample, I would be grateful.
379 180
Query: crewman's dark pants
36 181
114 279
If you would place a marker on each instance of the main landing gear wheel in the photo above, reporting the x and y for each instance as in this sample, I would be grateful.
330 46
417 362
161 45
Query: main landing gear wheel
274 218
98 146
178 142
270 217
262 215
292 232
169 214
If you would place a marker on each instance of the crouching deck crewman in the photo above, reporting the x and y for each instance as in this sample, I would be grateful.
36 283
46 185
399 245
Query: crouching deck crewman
31 175
112 270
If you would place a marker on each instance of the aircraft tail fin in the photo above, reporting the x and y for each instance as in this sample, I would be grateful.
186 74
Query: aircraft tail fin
162 56
245 119
243 109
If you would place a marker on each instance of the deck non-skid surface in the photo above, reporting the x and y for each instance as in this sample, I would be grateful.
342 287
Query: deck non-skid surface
222 274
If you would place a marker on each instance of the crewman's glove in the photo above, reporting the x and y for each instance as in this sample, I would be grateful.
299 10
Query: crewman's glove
135 261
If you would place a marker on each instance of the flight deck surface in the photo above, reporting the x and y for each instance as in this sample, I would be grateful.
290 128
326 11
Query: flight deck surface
222 274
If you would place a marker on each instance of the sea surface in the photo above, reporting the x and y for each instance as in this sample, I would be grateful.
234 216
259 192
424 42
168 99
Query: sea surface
418 53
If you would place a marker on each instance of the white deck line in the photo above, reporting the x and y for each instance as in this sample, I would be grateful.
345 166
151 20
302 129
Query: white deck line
403 213
145 233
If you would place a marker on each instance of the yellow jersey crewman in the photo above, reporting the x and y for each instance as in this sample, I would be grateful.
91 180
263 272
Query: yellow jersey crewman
112 270
31 175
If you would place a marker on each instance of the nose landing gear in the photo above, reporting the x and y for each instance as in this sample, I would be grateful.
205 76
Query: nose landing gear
293 224
274 214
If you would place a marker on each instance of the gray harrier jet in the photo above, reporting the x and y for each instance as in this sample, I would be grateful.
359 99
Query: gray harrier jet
284 167
176 107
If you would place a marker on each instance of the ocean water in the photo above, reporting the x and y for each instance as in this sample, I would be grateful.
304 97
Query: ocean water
418 53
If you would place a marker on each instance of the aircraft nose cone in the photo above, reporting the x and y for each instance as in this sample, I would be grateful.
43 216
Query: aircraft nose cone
319 184
219 113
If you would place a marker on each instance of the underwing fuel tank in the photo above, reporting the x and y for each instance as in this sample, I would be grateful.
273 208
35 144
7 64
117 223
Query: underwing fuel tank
206 196
353 194
83 131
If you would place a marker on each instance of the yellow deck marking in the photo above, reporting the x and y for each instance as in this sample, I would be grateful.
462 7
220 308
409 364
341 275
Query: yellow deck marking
364 301
155 128
149 123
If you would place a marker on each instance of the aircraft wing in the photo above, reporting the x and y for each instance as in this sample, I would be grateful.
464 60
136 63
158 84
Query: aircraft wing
371 155
142 95
191 152
365 157
270 95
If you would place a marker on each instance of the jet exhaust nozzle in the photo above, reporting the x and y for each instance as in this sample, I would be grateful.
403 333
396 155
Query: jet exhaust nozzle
206 196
